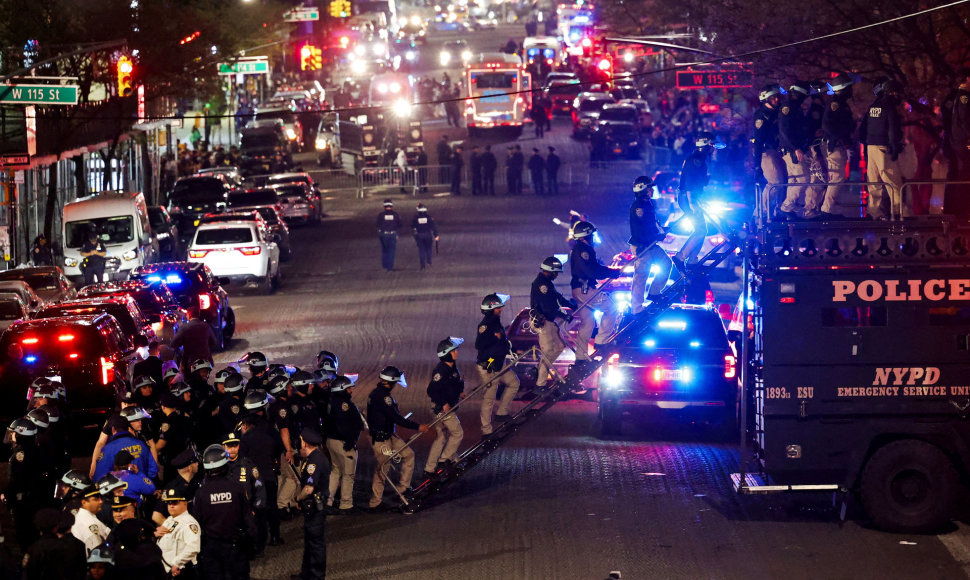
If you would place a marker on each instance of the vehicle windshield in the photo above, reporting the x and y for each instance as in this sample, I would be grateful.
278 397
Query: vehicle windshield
253 198
156 218
112 230
287 116
259 140
35 281
10 310
494 80
566 89
276 180
218 236
292 191
592 105
619 114
205 190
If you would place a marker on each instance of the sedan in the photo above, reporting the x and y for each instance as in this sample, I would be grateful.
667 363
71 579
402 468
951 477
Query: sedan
49 282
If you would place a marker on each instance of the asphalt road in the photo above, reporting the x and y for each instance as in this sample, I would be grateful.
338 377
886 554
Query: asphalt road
555 502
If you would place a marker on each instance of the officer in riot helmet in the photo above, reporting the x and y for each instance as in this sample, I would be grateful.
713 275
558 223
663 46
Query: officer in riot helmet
646 232
882 133
770 167
343 426
230 408
326 355
794 141
838 128
493 347
71 488
586 273
262 443
694 178
258 370
223 511
445 390
546 308
382 417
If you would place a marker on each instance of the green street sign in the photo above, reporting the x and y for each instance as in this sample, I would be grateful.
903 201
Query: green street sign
302 14
39 94
250 67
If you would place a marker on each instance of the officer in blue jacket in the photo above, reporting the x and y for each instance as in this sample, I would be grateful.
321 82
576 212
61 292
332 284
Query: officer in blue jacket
122 439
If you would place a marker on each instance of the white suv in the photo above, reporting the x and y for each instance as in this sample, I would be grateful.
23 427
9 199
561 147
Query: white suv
244 251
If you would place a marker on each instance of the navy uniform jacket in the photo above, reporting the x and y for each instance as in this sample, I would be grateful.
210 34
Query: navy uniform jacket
882 124
423 225
837 122
693 175
222 509
445 387
245 472
644 228
491 349
765 131
585 268
316 473
545 299
958 126
263 445
344 421
383 415
793 132
388 222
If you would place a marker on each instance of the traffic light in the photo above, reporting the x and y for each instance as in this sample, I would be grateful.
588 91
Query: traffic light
311 58
125 69
340 8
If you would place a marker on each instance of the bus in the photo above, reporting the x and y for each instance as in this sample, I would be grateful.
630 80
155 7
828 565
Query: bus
499 93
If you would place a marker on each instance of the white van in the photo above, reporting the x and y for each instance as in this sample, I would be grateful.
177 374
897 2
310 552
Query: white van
121 221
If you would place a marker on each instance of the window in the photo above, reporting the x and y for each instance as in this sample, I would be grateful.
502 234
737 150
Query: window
112 230
619 114
218 236
494 80
854 317
35 281
254 198
10 310
590 105
571 89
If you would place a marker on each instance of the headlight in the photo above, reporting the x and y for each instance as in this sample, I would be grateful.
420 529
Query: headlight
382 88
70 262
628 57
395 87
290 134
402 108
358 67
360 50
466 55
613 378
444 57
130 255
409 55
633 143
321 144
415 20
377 49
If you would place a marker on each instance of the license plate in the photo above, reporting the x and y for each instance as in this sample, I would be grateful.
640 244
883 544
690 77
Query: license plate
672 374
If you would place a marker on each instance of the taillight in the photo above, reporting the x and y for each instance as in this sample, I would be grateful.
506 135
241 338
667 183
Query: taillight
65 337
205 301
30 341
658 374
250 250
107 371
198 253
730 366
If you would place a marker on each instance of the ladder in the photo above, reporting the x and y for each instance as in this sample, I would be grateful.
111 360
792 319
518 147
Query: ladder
630 329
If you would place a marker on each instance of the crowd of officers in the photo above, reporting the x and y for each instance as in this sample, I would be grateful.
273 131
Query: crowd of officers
803 137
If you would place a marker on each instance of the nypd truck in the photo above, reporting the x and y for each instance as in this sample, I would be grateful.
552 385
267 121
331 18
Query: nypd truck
858 382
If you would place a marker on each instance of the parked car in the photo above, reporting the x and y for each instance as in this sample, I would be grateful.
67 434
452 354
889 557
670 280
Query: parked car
123 308
612 139
586 111
682 364
621 112
49 282
562 94
239 251
157 303
268 203
24 291
300 202
12 309
89 355
228 173
192 198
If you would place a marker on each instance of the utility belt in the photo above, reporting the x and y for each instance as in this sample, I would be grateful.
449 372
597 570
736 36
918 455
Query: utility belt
437 409
312 504
388 233
380 436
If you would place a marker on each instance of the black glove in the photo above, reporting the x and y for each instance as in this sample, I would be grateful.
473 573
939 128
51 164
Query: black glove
348 445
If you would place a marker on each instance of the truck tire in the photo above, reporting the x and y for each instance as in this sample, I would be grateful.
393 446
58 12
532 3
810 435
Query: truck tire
909 486
611 420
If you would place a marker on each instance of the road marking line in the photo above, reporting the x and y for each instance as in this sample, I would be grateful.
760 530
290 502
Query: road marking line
958 544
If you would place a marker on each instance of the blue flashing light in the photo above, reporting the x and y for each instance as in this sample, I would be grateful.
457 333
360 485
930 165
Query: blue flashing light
598 316
30 359
695 344
672 324
173 279
650 343
154 278
686 375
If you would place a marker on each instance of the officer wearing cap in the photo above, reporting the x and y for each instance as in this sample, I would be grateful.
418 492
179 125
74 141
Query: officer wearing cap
312 500
425 234
547 303
382 416
179 536
586 272
52 556
243 470
87 527
225 517
122 508
388 225
342 428
882 133
445 390
492 346
770 167
185 482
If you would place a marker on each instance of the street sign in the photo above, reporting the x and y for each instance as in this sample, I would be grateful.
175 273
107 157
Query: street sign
714 79
39 94
13 160
302 14
252 67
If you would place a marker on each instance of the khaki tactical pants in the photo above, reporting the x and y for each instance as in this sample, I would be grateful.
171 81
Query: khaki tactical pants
343 466
797 173
773 167
836 160
447 440
887 198
511 383
551 345
383 451
587 321
641 272
289 485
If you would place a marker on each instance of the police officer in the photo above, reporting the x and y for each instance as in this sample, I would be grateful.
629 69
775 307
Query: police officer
258 370
282 414
24 489
693 179
122 438
445 390
547 304
382 416
537 170
342 427
301 404
956 128
179 536
51 556
243 470
312 501
553 163
174 429
145 394
70 490
882 134
94 254
87 527
262 443
838 127
198 378
388 224
767 158
230 409
793 140
493 346
645 233
586 271
425 234
185 482
224 514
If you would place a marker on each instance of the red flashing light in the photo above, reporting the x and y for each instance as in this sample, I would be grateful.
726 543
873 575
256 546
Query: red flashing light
730 366
205 301
30 341
787 299
305 52
658 374
708 297
605 65
65 337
